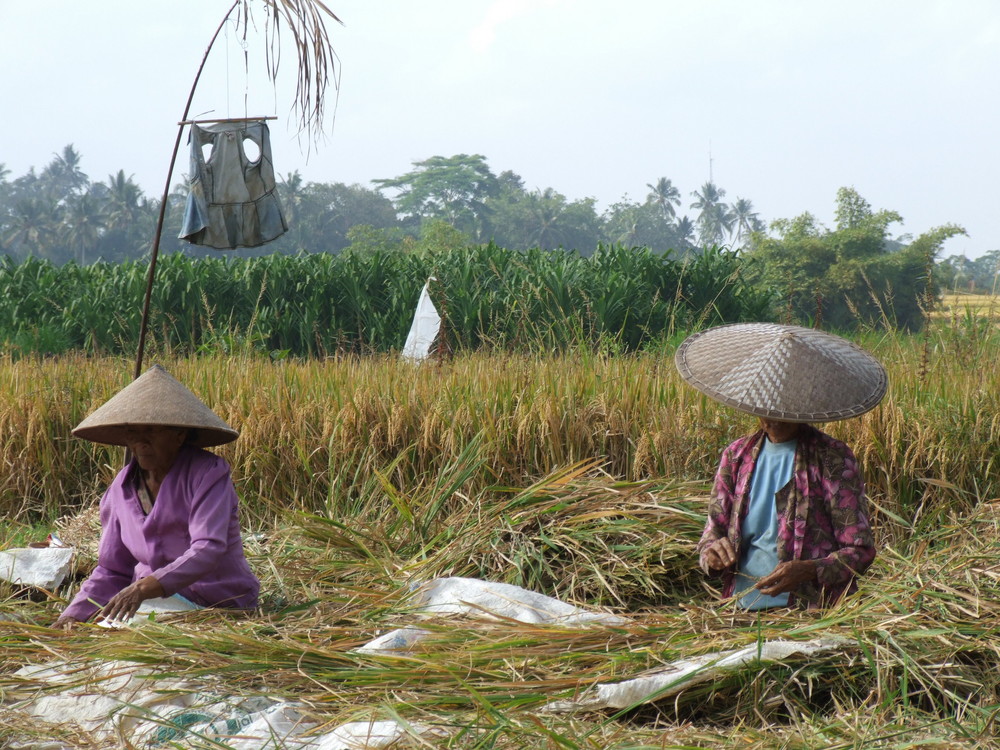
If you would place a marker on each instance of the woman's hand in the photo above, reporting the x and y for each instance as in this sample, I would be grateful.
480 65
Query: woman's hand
65 623
126 602
787 576
720 555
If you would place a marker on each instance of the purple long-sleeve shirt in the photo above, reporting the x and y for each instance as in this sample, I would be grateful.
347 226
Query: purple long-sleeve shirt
190 542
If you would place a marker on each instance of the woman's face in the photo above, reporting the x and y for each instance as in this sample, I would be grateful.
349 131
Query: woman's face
779 432
155 447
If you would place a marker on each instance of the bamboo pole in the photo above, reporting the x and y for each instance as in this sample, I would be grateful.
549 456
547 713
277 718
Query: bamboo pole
154 254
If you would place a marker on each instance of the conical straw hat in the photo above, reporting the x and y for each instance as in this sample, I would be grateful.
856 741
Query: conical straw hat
782 372
154 398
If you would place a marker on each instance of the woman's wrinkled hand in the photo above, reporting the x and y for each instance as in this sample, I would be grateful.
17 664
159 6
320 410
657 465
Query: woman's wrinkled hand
65 623
125 603
720 555
787 576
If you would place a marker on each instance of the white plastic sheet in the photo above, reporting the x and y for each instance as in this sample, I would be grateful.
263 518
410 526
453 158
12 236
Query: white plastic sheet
167 606
368 735
682 674
105 699
424 329
485 599
123 700
41 567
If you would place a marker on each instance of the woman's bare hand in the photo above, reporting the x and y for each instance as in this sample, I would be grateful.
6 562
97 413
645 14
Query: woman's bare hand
787 576
126 602
65 623
720 554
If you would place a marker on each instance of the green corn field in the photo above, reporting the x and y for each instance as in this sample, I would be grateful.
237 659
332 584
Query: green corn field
362 302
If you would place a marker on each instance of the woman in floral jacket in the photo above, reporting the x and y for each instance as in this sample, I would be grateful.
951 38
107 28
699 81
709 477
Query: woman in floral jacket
788 521
824 538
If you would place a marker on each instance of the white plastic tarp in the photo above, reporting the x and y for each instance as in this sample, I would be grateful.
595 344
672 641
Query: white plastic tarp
682 674
40 567
125 702
485 599
424 329
165 606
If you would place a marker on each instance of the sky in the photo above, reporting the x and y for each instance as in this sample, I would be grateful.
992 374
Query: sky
781 102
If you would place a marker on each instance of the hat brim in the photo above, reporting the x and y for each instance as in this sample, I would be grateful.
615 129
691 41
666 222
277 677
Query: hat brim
155 399
782 372
115 434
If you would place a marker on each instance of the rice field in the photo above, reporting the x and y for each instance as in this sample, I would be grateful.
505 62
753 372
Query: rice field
958 304
577 475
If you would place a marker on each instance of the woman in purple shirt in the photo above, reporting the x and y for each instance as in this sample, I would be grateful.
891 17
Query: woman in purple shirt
788 520
169 521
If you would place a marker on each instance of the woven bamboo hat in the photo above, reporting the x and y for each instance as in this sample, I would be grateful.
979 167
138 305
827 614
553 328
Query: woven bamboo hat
154 398
783 372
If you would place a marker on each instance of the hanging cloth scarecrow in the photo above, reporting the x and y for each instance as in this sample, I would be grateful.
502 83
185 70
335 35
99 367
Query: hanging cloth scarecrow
233 200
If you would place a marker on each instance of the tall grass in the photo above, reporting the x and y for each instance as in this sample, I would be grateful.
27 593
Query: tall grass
314 433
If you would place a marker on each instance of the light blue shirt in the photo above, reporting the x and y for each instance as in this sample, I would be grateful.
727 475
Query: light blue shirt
759 547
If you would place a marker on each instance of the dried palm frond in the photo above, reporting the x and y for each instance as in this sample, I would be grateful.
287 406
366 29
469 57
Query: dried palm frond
318 65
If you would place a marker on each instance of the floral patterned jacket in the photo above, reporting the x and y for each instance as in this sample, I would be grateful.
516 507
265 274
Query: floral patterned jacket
822 513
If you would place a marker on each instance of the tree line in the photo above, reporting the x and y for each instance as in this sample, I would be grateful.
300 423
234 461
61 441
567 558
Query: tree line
977 276
855 273
60 214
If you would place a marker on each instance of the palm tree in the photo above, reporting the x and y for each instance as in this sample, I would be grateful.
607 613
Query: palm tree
745 219
123 201
301 214
82 225
715 219
624 222
4 208
63 173
128 217
32 226
545 210
665 196
291 190
684 230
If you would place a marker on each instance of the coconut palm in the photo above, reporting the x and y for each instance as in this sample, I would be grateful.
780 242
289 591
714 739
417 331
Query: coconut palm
124 201
32 226
128 217
83 225
63 174
545 209
684 230
291 188
745 220
4 208
623 224
715 219
665 196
